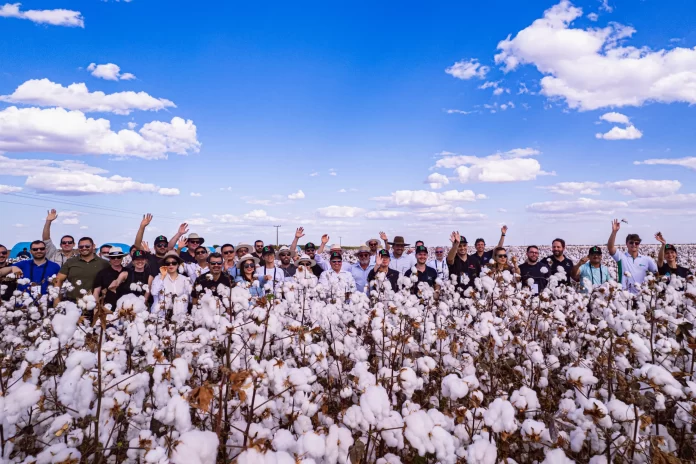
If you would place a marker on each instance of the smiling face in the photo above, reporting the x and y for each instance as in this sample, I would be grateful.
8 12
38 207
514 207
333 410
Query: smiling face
557 249
462 248
284 257
398 249
501 257
336 264
241 251
269 259
422 257
532 255
3 254
38 251
373 244
633 246
67 244
310 252
201 255
228 253
480 246
248 267
116 262
671 256
364 258
439 253
139 264
161 248
86 248
595 259
258 246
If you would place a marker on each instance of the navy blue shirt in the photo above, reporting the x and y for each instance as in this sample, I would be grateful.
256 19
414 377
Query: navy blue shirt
37 274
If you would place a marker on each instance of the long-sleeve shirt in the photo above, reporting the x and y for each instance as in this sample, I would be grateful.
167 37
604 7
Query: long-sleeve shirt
168 293
360 276
56 255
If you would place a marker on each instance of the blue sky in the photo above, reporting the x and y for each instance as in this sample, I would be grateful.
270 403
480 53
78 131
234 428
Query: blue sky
241 104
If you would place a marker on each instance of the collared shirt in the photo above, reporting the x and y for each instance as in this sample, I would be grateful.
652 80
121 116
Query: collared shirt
37 273
168 293
187 257
326 265
340 282
555 265
483 260
632 271
428 275
440 267
593 275
206 282
290 270
538 272
360 276
84 272
402 264
391 275
460 268
56 254
11 285
277 275
103 279
194 271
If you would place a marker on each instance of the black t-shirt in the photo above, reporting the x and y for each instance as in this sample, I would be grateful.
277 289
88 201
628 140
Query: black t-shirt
11 285
533 271
429 275
135 277
554 265
471 268
290 270
317 270
186 256
680 271
103 279
392 276
482 260
209 284
153 266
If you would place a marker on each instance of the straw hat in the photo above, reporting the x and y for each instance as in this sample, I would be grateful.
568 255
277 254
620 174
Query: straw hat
195 237
306 259
170 254
115 252
246 257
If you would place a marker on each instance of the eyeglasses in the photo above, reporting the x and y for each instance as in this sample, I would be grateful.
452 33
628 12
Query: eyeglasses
171 263
215 263
84 247
39 249
249 265
363 255
3 252
258 247
194 242
501 256
67 242
160 245
634 242
439 252
202 252
228 252
284 255
532 252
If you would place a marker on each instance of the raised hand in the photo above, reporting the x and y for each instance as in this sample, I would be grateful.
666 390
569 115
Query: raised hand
503 230
660 238
144 246
325 239
183 229
299 233
455 237
514 260
615 225
182 243
378 261
383 236
584 259
51 215
147 219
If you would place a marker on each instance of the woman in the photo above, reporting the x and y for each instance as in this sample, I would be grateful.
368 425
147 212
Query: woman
501 263
667 260
304 270
170 290
137 279
247 269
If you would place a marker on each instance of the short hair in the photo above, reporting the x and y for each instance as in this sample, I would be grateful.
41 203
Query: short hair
213 255
106 245
559 240
634 237
226 245
258 241
68 236
532 246
199 247
84 239
3 246
419 241
479 240
497 249
36 242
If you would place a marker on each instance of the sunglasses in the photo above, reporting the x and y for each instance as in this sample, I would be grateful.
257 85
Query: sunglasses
363 255
439 252
171 263
39 249
84 247
336 262
194 242
634 242
67 243
532 252
373 244
501 256
215 263
115 257
3 252
284 255
160 245
249 265
228 252
202 252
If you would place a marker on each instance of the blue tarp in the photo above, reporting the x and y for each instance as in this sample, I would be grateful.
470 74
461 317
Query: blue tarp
18 248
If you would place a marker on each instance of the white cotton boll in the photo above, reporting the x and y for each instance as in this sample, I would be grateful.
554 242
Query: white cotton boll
176 413
375 404
196 447
179 372
389 458
581 375
21 397
500 416
65 325
544 270
525 399
284 440
409 381
312 444
346 392
556 456
353 418
531 428
454 388
662 377
58 453
418 428
481 451
598 459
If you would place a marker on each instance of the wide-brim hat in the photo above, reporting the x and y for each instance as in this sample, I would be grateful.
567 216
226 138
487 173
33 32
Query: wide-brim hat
363 249
306 259
282 249
196 237
399 240
244 245
336 247
116 252
367 242
246 257
170 254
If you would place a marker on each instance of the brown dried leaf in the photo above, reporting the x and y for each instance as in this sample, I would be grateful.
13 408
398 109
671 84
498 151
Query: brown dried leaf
201 397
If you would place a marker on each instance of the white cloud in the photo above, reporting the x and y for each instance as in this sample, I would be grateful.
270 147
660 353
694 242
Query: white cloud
574 188
676 201
614 117
299 195
688 162
454 111
60 131
195 194
71 221
342 191
256 216
437 180
313 174
466 69
9 188
593 17
605 6
511 166
332 172
43 92
84 227
646 188
619 133
57 17
19 226
109 71
426 198
226 189
334 211
168 192
575 206
590 69
384 214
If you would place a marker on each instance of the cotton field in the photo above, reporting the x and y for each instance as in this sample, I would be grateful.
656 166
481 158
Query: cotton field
312 375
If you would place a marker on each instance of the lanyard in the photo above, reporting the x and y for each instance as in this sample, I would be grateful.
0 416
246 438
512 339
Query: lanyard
275 269
592 274
43 274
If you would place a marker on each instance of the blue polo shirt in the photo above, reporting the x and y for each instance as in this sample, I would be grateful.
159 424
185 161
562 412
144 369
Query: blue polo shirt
37 274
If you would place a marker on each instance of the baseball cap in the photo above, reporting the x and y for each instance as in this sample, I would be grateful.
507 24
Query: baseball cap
267 250
138 254
595 251
336 254
421 249
670 247
383 253
160 239
310 246
462 239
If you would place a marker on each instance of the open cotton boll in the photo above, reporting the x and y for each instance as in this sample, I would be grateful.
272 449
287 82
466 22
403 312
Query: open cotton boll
581 375
481 451
312 444
409 381
196 447
375 404
556 456
179 372
176 413
500 416
65 325
253 456
454 388
661 377
20 397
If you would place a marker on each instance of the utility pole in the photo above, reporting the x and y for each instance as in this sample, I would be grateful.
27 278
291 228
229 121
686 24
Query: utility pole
340 242
277 227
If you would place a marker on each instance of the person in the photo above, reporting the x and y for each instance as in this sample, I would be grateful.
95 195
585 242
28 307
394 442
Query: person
228 256
24 254
199 267
501 263
373 244
310 249
80 272
104 252
590 271
424 272
326 265
382 267
534 269
161 245
242 250
170 290
210 281
258 250
305 268
247 264
558 260
398 260
269 272
192 243
38 270
667 260
284 256
336 280
361 269
460 266
136 279
67 242
7 288
483 257
107 276
439 263
632 266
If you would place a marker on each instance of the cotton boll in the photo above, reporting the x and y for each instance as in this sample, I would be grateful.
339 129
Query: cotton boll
312 444
176 413
283 440
196 447
409 381
65 325
375 404
481 451
454 388
500 416
556 456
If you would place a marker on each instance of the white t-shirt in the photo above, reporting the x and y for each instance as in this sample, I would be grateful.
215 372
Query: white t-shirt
441 268
633 271
402 264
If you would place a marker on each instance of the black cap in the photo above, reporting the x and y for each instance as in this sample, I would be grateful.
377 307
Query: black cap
421 249
462 239
139 254
670 247
383 253
336 254
267 250
161 238
310 246
595 251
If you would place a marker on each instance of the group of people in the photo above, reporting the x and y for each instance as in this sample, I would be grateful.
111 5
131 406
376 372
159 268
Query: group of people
178 271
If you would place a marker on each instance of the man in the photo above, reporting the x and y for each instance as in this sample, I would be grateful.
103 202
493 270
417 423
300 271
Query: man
9 287
198 268
161 247
466 270
107 276
399 261
24 254
228 254
483 257
258 250
439 263
209 282
234 271
269 272
423 272
590 271
558 261
361 269
633 267
382 267
193 241
284 255
534 269
80 272
38 269
667 260
373 244
104 252
335 280
67 242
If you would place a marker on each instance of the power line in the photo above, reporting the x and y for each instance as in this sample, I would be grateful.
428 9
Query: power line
91 213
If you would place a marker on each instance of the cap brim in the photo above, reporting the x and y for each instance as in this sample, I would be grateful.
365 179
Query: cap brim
404 244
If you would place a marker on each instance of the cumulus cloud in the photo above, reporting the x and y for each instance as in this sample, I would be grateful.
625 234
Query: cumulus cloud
512 166
299 195
466 69
43 92
426 198
61 131
688 162
591 69
335 211
9 189
196 194
384 214
109 71
57 17
614 117
680 200
574 188
575 206
646 188
619 133
168 192
70 177
437 181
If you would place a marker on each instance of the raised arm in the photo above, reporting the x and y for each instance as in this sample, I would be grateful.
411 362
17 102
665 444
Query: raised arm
661 253
455 237
147 219
384 237
50 217
183 229
503 231
324 241
299 233
575 272
615 226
